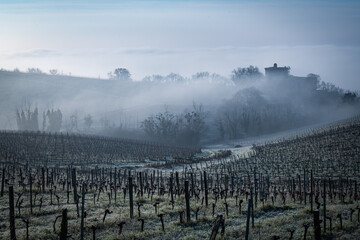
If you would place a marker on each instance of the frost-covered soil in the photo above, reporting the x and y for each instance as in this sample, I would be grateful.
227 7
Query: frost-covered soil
272 219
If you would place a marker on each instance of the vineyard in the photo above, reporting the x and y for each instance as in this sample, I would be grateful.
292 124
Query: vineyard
58 186
36 148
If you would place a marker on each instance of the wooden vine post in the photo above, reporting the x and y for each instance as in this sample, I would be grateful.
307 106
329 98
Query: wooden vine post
131 201
12 213
177 183
206 189
31 191
82 211
187 200
317 228
115 187
219 221
171 187
141 184
2 182
76 199
43 179
324 208
64 225
311 190
248 219
252 209
304 187
255 187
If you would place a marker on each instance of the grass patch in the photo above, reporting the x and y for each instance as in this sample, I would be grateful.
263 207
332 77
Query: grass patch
270 208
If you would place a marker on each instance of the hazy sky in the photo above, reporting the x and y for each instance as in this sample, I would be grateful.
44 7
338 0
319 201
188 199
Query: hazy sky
91 38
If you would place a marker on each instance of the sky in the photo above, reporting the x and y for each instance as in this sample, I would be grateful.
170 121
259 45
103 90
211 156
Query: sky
92 38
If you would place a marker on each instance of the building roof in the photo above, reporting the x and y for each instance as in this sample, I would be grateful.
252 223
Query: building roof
275 70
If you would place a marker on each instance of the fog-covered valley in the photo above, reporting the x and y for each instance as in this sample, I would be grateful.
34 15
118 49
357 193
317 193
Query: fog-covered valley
204 108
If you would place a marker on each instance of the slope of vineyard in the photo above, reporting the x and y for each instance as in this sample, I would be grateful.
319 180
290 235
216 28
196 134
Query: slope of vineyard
39 148
332 151
275 191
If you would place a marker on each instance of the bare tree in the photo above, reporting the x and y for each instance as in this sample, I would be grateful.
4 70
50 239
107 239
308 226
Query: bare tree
74 122
27 119
201 75
184 128
53 71
34 70
120 74
54 119
88 121
241 75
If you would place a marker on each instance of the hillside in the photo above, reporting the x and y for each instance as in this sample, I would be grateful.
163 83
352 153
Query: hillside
40 148
278 187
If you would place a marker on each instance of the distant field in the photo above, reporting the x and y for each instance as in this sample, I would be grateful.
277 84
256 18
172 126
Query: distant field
286 181
40 148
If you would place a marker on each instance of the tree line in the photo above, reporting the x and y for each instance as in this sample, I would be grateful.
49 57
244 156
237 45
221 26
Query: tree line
185 128
251 111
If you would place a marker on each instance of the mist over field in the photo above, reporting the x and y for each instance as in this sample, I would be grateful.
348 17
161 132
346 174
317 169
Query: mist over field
179 119
178 71
204 108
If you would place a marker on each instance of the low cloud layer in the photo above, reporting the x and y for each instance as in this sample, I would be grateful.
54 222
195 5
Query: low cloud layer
335 64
